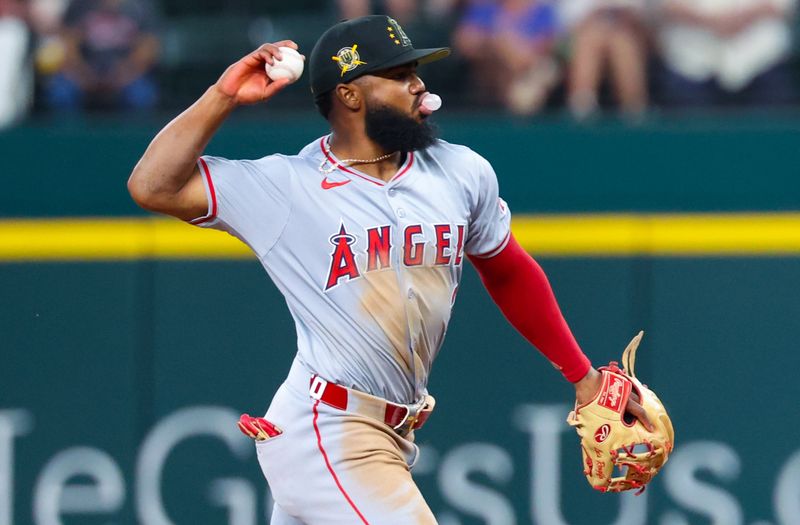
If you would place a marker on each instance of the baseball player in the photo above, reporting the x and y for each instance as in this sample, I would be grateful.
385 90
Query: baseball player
365 233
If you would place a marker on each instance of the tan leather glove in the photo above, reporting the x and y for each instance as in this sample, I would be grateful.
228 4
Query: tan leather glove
619 453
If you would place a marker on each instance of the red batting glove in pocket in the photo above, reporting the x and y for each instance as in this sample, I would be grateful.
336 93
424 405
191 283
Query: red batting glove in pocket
258 428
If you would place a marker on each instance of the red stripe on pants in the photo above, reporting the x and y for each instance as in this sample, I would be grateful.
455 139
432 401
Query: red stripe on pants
330 468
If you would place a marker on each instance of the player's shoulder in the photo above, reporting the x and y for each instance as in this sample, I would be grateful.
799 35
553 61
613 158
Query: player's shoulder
314 150
273 166
295 162
457 154
443 148
455 158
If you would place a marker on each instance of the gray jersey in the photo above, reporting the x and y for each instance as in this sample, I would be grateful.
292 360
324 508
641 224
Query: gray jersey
369 269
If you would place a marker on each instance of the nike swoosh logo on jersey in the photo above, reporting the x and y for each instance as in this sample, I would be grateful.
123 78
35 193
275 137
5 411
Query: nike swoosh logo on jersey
326 184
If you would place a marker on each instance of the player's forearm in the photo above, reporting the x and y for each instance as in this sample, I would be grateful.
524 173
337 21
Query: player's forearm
521 290
170 159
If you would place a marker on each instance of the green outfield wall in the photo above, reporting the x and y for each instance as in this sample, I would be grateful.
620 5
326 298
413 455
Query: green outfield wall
121 377
79 168
121 383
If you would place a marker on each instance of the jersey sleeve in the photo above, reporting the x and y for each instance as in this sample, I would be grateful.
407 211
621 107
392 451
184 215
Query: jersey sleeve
250 199
490 222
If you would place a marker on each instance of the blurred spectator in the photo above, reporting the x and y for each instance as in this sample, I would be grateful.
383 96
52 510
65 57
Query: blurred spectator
16 85
46 18
404 11
354 8
509 44
608 37
110 50
726 51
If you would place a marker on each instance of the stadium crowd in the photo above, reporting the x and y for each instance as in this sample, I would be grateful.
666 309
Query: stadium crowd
521 56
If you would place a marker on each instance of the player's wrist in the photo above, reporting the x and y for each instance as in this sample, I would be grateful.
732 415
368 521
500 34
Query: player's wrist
588 386
217 97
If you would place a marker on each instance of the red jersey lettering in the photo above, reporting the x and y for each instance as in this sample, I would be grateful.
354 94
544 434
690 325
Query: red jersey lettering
443 235
379 243
413 253
460 245
343 263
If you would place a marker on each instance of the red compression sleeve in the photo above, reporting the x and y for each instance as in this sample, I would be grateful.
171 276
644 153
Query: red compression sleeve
520 288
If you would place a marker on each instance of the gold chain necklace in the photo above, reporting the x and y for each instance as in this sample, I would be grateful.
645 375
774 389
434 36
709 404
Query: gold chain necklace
346 163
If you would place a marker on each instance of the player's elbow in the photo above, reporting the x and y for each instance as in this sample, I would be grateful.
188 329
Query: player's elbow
150 191
140 193
137 190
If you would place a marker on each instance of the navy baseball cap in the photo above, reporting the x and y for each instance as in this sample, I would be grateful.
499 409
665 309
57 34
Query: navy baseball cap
353 48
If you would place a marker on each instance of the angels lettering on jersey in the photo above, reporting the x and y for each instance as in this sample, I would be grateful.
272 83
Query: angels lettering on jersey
434 245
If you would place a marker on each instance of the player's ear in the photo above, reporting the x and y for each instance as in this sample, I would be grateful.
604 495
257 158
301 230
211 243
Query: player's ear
350 95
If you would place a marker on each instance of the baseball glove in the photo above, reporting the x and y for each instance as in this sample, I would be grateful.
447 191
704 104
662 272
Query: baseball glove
619 453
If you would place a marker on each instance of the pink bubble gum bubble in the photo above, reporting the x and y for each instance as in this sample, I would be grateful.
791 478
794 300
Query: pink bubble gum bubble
431 103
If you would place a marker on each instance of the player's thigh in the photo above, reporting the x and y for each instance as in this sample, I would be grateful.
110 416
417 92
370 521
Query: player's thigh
387 495
343 471
368 493
332 468
366 476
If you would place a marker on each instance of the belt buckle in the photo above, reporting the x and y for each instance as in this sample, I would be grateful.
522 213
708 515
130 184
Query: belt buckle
406 419
411 417
317 388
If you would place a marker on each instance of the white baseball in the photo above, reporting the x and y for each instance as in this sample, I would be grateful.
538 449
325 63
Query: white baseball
290 66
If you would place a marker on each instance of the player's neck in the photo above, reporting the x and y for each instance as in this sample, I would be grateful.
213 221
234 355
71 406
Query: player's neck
369 157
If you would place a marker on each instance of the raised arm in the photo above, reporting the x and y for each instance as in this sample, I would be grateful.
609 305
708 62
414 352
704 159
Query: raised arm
166 179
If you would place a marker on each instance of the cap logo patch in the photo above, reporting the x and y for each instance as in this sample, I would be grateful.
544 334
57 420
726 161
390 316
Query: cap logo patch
396 33
348 59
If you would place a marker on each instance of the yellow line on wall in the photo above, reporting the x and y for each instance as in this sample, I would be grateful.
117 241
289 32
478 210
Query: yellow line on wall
113 239
613 235
660 234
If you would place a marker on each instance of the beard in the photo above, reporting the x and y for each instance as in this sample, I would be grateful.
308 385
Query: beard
393 131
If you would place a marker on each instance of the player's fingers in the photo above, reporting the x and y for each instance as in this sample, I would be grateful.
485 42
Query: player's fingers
270 50
275 86
637 411
266 56
265 53
257 58
287 43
